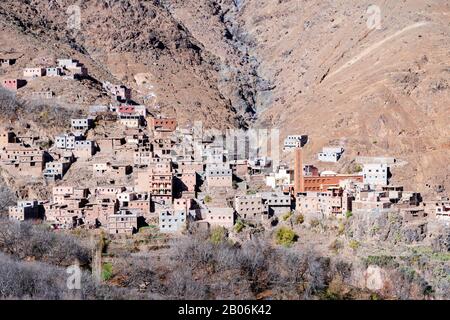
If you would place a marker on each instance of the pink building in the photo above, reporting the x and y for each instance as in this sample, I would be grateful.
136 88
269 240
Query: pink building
13 84
220 217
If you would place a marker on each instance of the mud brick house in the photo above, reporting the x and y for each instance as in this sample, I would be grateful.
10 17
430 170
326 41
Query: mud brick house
158 180
120 92
162 148
126 197
75 203
69 195
188 180
111 190
6 62
278 203
67 156
82 124
220 217
84 149
163 124
412 214
54 72
100 169
240 167
97 212
282 177
163 135
183 203
68 63
22 160
13 84
322 183
77 69
26 139
6 138
26 210
120 170
219 177
109 144
130 120
63 216
44 95
125 110
437 207
190 165
251 208
334 202
56 170
123 222
214 155
33 72
136 137
111 170
160 184
143 156
373 202
141 204
443 212
140 110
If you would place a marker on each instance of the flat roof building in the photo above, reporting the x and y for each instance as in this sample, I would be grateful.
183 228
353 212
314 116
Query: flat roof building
330 154
294 141
123 222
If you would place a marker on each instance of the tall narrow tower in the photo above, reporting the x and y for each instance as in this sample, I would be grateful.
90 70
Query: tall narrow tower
299 181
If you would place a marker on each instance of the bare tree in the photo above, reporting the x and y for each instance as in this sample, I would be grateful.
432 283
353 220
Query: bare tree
7 197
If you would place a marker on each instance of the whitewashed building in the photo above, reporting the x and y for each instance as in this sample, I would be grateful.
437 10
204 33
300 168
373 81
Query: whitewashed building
294 141
330 154
172 221
376 174
65 141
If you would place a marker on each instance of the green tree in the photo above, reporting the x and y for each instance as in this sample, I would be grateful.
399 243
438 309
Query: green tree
239 226
285 236
107 271
300 219
314 223
354 245
218 235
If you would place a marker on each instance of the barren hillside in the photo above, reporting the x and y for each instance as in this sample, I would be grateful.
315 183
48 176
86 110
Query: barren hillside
139 44
380 91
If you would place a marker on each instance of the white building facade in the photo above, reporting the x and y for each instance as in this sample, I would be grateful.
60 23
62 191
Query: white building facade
376 174
330 154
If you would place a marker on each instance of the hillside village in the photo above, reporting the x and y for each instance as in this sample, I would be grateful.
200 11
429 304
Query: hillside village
130 168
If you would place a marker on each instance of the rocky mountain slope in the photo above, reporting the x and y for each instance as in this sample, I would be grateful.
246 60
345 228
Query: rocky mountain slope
139 44
377 91
306 67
